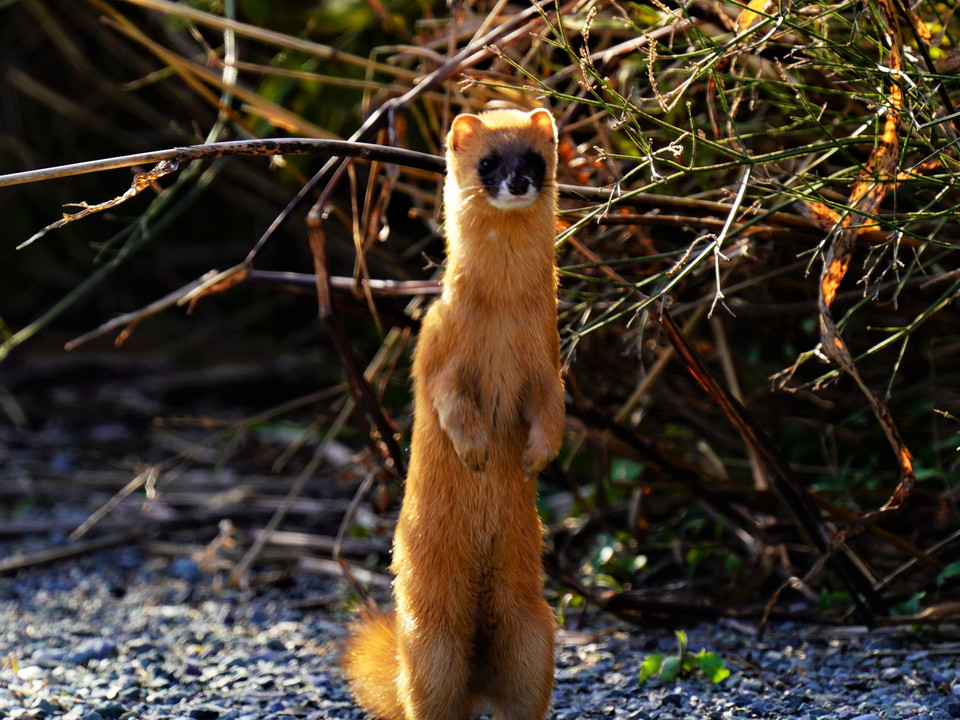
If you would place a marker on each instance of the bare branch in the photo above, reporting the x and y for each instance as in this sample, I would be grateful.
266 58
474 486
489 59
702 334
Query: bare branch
256 148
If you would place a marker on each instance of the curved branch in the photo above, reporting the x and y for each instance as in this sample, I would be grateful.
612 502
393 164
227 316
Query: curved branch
256 148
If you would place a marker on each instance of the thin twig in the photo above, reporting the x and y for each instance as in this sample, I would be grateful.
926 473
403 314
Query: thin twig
239 573
45 557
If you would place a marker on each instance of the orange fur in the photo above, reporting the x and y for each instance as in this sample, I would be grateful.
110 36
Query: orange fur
471 625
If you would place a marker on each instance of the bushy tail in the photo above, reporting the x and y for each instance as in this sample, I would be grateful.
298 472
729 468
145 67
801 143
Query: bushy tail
371 665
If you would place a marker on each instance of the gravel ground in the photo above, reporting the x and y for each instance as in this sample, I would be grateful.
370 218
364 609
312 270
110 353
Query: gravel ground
123 635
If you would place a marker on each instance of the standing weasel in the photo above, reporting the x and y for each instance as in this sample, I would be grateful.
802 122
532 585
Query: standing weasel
470 624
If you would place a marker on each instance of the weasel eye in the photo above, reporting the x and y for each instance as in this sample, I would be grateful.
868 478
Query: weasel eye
487 164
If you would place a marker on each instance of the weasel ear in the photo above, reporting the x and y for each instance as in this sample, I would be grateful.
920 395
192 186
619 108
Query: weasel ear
462 131
542 120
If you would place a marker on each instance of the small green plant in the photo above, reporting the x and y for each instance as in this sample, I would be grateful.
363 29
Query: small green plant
568 601
950 571
830 599
910 606
683 664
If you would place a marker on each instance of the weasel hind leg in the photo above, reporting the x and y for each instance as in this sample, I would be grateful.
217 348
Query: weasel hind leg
521 684
434 679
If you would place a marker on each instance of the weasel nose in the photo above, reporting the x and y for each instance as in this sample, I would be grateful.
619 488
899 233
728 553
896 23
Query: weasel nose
518 185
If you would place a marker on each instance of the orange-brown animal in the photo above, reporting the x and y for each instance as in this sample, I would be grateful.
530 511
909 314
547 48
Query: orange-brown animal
471 625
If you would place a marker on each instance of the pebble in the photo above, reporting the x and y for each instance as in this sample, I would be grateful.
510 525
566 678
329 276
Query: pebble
184 568
91 649
110 710
890 674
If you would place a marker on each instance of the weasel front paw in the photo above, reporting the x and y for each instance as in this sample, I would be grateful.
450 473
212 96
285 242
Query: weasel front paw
468 435
537 453
463 423
473 452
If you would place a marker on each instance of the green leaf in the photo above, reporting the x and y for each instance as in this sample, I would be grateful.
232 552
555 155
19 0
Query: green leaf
695 556
688 663
608 582
712 666
951 570
910 606
623 470
568 600
672 666
681 641
650 667
731 564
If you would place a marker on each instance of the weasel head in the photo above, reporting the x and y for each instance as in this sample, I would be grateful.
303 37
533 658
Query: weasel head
506 157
